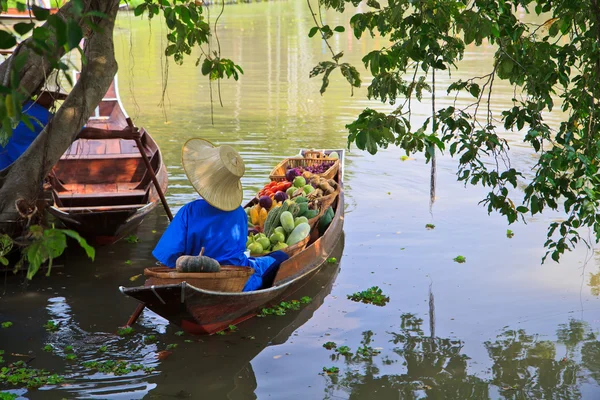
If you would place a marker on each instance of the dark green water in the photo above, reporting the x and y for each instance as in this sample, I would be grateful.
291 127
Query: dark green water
505 326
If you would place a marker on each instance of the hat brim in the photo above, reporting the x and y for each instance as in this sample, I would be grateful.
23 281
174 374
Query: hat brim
225 197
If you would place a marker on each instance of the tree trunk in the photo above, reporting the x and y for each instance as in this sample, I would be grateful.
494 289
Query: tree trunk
22 180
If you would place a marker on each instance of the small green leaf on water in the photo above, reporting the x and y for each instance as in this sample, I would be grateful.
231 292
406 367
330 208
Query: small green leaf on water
125 331
331 370
179 333
51 326
332 260
343 350
149 339
330 345
171 346
68 349
233 328
188 341
6 324
221 333
128 262
48 348
404 158
460 259
70 356
153 230
103 349
402 248
305 300
429 226
509 233
389 193
134 277
132 239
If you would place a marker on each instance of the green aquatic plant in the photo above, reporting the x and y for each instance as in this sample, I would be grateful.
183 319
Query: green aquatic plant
232 328
429 226
305 300
116 368
373 295
343 351
221 333
509 234
70 356
150 339
331 260
22 375
103 349
460 259
68 349
48 348
125 331
6 324
179 333
172 346
1 358
51 326
7 396
331 370
329 345
132 239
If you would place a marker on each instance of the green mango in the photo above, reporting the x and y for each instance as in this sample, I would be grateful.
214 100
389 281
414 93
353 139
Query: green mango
280 229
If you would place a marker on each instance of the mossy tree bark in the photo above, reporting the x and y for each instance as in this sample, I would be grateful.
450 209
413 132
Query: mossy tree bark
20 183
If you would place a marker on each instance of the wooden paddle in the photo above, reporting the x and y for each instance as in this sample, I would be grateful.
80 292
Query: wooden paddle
140 308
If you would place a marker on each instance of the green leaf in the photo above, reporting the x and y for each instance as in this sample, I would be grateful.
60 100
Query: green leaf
74 34
339 28
313 31
139 10
89 250
22 28
7 40
41 14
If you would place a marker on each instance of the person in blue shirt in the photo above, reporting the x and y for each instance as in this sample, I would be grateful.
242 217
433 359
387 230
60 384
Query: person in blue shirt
22 137
217 222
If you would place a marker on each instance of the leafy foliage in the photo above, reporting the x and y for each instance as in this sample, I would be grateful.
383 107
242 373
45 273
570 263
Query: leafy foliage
542 61
373 295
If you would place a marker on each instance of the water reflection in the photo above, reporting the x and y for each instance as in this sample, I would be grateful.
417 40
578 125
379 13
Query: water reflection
523 366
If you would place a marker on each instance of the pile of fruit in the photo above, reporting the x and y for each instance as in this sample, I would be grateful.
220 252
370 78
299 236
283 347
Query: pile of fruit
286 225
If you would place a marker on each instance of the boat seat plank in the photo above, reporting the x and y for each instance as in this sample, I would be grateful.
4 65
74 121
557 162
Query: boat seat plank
108 193
129 147
113 146
100 156
89 147
102 208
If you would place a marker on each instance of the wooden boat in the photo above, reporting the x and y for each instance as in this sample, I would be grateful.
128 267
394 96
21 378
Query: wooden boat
101 186
201 311
13 14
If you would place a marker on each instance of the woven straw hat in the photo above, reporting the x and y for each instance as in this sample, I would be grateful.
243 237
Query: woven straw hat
214 172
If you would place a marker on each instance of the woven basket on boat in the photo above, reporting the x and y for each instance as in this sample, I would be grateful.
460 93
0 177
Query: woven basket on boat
229 279
290 250
326 201
278 173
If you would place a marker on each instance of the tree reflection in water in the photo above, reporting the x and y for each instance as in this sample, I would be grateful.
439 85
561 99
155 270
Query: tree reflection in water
523 366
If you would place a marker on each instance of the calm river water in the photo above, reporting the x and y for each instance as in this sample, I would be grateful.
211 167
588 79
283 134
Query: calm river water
504 325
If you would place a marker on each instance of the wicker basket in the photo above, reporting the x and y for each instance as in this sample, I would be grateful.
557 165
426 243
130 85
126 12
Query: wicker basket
229 279
278 173
290 250
326 201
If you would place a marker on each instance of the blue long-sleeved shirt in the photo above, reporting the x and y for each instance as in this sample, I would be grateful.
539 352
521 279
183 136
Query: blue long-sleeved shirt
223 234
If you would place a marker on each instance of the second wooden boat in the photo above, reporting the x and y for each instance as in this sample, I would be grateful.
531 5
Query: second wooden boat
101 186
202 311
